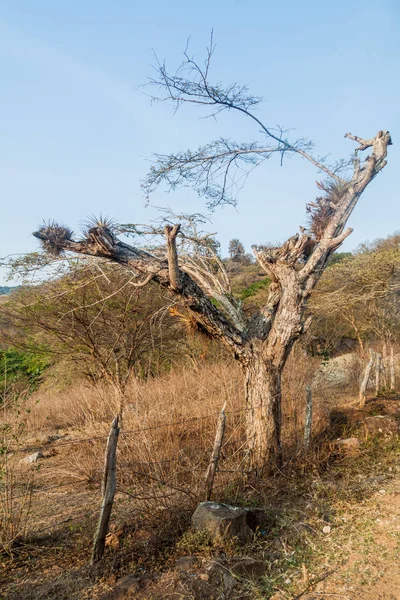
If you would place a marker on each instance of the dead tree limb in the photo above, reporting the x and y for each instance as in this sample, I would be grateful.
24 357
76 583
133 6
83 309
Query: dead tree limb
174 273
108 489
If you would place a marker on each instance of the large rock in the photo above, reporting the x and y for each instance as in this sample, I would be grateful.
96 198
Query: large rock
339 371
222 521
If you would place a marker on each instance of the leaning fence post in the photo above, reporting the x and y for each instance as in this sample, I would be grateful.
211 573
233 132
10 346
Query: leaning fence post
392 371
366 377
378 373
308 424
212 467
108 488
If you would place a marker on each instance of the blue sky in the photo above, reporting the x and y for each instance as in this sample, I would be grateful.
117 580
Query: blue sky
76 137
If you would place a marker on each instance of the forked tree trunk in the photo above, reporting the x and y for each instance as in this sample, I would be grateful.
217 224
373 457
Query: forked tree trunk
262 343
263 413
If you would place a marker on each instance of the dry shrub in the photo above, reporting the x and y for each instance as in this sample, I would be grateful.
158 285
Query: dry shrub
15 504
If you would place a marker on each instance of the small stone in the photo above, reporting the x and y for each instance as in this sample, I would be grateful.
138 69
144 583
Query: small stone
350 446
326 529
382 492
300 530
204 576
288 581
250 568
186 563
32 458
124 588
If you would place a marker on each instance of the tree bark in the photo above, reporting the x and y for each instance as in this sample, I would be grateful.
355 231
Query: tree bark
263 413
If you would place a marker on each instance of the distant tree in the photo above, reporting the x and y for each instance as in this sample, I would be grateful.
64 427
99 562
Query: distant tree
236 250
362 292
262 342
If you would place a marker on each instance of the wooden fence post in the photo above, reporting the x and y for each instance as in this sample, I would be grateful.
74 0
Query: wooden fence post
108 492
308 423
392 371
212 467
366 377
378 366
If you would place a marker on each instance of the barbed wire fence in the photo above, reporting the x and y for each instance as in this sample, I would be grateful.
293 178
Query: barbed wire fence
157 473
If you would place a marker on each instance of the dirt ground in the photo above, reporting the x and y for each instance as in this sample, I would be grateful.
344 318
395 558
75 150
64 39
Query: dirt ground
350 509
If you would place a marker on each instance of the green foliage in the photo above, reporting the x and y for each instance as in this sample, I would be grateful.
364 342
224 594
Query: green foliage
28 365
338 257
252 289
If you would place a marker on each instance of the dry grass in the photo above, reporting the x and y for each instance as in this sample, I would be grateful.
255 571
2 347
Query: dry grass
164 447
168 427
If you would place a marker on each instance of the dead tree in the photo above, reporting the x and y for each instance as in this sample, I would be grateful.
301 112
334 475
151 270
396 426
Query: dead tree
263 342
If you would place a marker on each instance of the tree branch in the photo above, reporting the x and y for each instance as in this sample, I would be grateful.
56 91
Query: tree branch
101 242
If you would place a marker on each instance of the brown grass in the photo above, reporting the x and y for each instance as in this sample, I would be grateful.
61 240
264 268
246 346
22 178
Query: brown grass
164 447
168 426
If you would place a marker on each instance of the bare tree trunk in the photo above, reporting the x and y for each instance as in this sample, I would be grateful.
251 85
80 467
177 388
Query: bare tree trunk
263 413
392 371
378 373
366 377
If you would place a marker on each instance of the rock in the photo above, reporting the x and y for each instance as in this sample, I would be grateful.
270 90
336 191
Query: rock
250 568
125 589
222 521
348 446
201 590
54 438
339 371
221 576
326 529
382 492
186 563
300 530
32 458
380 425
